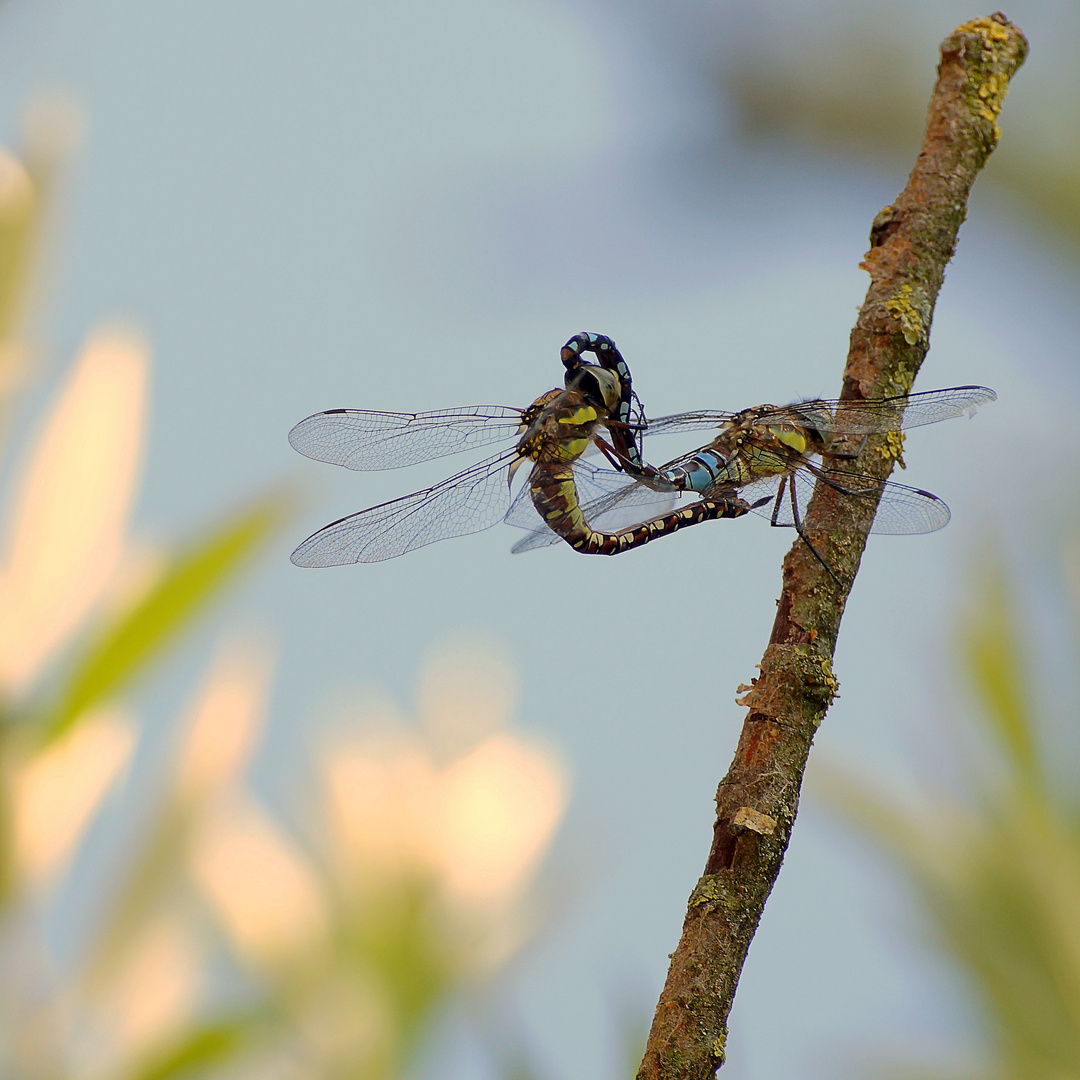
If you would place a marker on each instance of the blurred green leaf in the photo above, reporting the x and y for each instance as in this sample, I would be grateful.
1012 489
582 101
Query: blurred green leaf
997 866
852 79
398 936
124 647
20 212
143 887
998 673
197 1049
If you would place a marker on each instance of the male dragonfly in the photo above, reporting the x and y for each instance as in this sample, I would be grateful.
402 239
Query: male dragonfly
771 458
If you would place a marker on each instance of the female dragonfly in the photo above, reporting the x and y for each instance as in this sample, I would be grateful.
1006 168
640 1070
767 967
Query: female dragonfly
553 433
771 457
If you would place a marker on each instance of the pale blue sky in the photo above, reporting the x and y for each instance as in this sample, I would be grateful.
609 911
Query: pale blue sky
412 207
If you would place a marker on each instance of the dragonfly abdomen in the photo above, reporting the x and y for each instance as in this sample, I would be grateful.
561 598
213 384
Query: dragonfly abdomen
701 472
554 494
622 427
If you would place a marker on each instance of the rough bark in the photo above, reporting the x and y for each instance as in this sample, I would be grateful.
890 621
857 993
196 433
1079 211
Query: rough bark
911 242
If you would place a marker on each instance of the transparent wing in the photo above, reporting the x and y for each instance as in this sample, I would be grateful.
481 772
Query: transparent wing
367 441
465 503
850 417
890 414
688 421
901 510
610 501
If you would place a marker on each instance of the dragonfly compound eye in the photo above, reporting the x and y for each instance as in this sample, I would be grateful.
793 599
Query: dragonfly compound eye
599 385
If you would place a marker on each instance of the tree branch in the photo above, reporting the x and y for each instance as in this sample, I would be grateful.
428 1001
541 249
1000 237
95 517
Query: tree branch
911 242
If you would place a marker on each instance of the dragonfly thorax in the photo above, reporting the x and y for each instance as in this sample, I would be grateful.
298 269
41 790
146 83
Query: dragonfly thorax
563 428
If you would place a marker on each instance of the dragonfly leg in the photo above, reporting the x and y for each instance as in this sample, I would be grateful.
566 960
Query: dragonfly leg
646 473
787 485
832 483
802 533
608 451
846 455
779 501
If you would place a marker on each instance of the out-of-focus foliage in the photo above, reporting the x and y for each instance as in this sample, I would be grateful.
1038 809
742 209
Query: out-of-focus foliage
405 883
124 645
28 188
996 862
855 79
345 934
73 584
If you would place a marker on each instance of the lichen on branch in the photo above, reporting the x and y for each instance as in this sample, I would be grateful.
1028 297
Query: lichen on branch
912 240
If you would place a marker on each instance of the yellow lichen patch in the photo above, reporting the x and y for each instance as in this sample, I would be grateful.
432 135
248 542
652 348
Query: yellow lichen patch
707 891
990 85
911 308
892 448
901 380
992 94
829 680
988 27
719 1048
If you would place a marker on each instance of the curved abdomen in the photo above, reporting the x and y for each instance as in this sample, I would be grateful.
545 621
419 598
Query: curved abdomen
554 495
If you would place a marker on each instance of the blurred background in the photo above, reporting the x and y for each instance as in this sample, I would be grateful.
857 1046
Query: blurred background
439 816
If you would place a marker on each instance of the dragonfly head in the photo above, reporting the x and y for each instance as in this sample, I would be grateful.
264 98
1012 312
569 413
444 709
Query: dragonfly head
599 385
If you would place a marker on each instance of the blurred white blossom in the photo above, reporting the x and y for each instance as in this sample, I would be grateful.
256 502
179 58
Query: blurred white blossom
478 819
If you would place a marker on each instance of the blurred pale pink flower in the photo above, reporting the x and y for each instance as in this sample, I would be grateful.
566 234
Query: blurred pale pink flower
480 824
477 823
150 998
225 722
261 886
258 882
383 791
500 806
55 794
68 526
401 812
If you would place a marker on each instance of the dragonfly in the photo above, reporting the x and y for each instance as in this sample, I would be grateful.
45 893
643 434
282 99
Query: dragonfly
772 457
552 433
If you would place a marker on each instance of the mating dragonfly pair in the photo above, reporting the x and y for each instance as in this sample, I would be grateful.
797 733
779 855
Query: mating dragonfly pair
765 459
